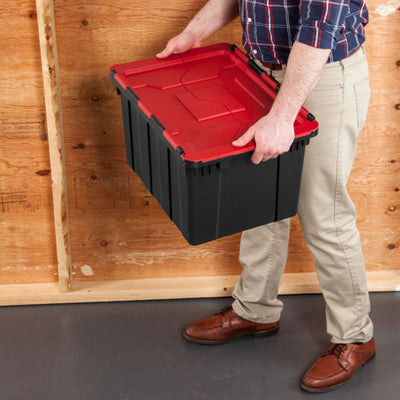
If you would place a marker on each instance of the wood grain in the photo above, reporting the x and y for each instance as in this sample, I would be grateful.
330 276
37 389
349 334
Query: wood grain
27 245
169 288
117 228
375 180
52 94
118 231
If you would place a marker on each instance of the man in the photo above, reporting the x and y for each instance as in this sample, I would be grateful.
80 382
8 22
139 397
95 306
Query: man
314 47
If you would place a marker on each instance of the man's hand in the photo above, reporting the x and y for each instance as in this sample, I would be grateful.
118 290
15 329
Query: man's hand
180 43
274 133
212 17
271 135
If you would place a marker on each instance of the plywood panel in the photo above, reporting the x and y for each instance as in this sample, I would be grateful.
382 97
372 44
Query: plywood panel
27 247
118 231
375 180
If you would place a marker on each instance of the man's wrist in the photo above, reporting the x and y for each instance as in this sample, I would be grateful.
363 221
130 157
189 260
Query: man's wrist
284 115
193 33
303 70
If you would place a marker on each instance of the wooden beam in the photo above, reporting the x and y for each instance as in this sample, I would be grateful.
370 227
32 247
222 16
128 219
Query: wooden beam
170 288
51 83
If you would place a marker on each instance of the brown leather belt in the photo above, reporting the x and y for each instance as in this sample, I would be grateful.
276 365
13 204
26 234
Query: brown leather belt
355 51
279 67
272 67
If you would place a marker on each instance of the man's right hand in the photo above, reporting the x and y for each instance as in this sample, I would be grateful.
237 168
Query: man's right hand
179 44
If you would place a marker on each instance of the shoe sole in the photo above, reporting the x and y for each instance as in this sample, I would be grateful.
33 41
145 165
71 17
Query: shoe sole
333 387
260 334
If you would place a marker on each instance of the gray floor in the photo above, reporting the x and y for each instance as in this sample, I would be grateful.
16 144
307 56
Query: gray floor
134 350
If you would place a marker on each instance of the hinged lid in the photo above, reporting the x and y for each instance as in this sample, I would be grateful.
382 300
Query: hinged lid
204 98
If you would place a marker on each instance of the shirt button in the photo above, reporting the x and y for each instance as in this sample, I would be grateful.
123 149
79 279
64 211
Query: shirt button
249 20
254 51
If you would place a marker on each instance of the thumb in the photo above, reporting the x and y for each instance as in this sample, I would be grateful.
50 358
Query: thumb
170 48
244 139
165 53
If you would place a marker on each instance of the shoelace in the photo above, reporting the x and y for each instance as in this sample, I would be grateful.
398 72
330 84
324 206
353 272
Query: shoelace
225 311
337 349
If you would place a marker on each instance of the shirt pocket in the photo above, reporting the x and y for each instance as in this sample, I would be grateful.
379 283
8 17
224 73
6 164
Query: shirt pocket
362 94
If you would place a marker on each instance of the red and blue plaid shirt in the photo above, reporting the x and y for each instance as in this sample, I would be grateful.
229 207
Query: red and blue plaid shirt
271 26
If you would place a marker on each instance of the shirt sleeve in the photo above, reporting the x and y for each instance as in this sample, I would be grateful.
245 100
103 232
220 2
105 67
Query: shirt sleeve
321 22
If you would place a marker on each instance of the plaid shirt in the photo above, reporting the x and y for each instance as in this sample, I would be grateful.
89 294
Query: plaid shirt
271 26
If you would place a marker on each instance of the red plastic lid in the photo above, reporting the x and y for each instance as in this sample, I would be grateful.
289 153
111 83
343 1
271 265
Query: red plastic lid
205 98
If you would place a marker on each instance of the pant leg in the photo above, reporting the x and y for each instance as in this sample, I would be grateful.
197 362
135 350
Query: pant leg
326 212
263 253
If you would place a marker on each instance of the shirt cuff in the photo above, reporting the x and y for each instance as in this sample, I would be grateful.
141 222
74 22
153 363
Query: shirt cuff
317 34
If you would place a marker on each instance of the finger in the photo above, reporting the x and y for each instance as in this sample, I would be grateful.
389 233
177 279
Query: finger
269 154
165 53
267 157
257 156
244 139
170 48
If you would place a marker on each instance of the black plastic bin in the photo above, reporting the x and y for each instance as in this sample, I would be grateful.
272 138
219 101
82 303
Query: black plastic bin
181 115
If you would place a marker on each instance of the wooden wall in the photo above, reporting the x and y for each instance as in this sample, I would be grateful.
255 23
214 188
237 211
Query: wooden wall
27 244
118 231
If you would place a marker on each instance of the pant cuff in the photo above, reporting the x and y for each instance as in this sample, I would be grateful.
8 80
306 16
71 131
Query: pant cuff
240 310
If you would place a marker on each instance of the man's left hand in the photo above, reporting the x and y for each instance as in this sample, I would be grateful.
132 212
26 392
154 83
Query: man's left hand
272 137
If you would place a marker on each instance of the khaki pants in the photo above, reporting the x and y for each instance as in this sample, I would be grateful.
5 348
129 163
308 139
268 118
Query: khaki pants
326 212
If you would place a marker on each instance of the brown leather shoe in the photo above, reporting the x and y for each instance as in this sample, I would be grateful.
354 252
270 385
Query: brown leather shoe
224 327
337 366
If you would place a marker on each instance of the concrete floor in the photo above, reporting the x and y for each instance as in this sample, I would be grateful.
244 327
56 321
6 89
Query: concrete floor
134 350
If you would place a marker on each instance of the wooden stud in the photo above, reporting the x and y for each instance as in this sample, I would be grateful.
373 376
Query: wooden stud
51 83
170 288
